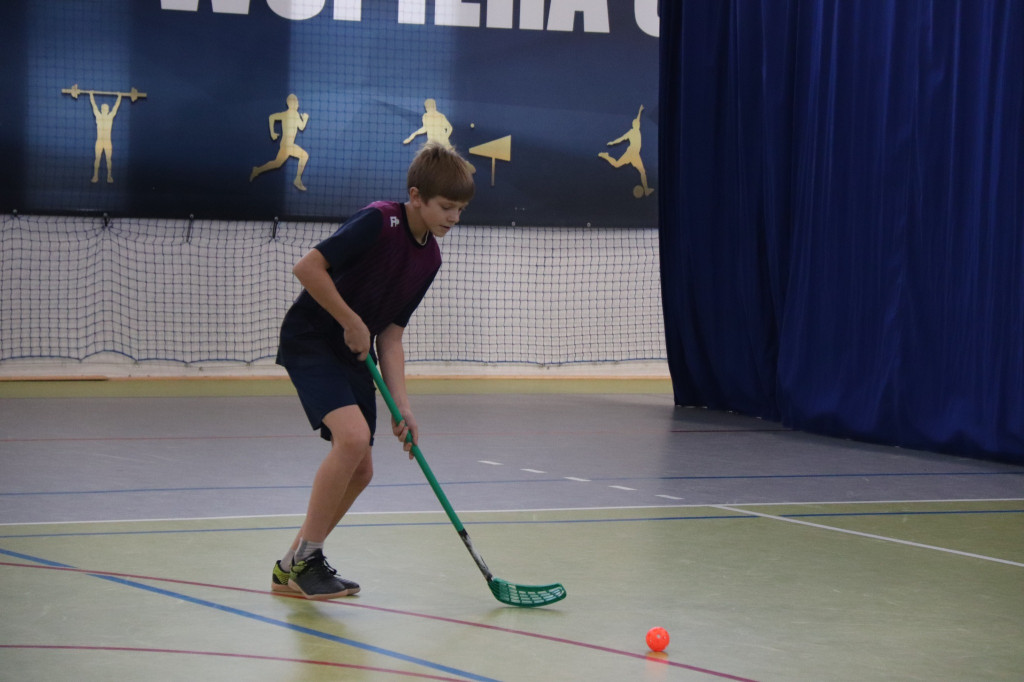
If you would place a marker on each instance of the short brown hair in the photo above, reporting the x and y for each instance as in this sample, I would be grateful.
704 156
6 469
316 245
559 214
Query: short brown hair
438 170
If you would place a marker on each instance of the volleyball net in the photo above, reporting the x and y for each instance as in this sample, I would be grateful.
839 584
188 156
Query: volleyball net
202 291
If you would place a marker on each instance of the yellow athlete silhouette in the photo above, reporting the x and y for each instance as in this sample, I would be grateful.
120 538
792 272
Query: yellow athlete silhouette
291 123
631 156
436 127
104 124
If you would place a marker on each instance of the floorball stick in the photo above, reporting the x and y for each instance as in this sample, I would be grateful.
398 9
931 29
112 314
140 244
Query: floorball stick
503 591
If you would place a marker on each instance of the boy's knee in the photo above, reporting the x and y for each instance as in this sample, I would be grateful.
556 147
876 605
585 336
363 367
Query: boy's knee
352 442
363 473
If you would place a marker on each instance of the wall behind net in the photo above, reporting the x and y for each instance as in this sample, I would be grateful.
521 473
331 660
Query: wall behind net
208 291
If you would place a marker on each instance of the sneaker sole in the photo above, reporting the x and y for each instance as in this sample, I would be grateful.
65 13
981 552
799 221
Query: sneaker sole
324 597
287 589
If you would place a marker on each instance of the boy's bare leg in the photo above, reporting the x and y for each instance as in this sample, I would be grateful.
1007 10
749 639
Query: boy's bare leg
342 476
360 479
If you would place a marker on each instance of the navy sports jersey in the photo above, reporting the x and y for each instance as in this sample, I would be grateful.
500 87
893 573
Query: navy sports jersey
382 273
379 269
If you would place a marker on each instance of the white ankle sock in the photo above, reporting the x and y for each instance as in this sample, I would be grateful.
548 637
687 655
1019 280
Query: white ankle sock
305 549
287 560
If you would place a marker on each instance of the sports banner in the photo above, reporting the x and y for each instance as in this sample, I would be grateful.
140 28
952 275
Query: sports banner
252 109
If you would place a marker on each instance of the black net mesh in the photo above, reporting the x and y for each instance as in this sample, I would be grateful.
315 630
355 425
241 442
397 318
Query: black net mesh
200 291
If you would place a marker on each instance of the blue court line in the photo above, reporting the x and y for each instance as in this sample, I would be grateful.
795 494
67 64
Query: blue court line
257 617
398 524
560 479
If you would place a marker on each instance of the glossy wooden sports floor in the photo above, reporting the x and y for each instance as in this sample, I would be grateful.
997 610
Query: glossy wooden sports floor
141 519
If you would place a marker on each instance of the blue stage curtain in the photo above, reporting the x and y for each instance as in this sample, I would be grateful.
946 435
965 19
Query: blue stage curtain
842 216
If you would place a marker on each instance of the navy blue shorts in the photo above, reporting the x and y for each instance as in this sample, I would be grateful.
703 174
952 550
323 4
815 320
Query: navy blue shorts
325 377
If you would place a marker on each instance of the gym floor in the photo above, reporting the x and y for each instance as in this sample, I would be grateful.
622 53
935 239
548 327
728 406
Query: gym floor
141 519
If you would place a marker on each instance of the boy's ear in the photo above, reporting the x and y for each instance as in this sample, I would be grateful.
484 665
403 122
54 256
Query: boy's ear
414 195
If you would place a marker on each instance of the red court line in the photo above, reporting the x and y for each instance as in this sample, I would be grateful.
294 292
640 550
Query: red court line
352 666
414 614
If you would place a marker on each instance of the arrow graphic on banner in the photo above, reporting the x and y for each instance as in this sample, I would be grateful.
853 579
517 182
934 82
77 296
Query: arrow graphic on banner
500 149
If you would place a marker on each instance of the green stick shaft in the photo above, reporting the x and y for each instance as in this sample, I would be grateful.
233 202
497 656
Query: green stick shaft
503 591
397 416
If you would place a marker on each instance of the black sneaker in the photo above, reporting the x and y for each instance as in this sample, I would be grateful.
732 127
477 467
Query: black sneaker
317 579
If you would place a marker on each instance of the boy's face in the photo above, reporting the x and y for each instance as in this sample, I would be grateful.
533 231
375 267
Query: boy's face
439 213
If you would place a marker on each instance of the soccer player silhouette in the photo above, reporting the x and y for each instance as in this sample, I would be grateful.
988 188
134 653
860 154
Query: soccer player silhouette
631 156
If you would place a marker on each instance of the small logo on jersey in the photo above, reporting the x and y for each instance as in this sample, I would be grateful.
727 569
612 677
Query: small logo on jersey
395 222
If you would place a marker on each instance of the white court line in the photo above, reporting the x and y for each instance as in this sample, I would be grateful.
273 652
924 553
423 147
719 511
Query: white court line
580 480
872 536
532 510
533 471
669 497
622 487
493 464
822 503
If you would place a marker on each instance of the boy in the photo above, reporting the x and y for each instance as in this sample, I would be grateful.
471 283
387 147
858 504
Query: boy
360 284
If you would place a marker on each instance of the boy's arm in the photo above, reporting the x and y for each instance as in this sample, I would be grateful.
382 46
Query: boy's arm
311 271
391 354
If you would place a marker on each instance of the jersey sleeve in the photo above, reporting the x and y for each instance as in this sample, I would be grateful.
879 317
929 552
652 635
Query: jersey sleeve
352 239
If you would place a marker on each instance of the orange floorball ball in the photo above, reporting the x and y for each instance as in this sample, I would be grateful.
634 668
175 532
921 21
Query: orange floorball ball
657 639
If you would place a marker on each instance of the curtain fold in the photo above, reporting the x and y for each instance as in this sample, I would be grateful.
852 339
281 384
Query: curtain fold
842 230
